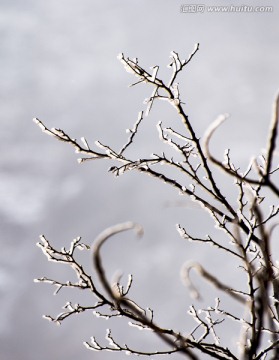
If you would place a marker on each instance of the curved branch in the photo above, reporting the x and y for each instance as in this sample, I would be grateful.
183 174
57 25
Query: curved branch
185 274
100 240
121 300
265 176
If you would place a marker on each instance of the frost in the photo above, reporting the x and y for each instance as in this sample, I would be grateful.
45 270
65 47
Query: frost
120 56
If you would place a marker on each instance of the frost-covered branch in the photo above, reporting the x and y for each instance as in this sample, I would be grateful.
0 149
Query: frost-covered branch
247 226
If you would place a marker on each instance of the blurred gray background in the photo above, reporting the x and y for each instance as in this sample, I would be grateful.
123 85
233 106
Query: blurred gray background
58 62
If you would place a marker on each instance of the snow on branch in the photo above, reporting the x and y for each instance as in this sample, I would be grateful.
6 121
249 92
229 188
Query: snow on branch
247 225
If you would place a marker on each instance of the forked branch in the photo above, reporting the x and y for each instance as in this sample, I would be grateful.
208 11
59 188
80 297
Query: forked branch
246 225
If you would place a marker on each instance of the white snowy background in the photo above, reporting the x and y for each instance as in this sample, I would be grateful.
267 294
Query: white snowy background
58 62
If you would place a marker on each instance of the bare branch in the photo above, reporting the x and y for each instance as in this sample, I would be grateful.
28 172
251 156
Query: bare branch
106 234
272 137
247 231
185 271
